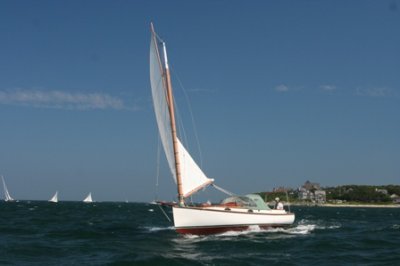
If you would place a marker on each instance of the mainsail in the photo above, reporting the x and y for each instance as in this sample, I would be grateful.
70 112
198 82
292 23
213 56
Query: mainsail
54 198
88 199
7 196
192 177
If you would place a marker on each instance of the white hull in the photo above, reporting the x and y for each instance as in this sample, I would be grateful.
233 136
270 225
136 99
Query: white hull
207 220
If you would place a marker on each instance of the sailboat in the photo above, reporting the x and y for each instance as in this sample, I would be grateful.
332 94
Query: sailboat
88 198
54 198
235 213
6 193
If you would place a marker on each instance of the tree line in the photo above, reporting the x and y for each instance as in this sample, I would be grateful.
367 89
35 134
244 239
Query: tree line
362 193
354 193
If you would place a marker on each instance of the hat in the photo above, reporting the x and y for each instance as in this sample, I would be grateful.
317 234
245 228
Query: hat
277 199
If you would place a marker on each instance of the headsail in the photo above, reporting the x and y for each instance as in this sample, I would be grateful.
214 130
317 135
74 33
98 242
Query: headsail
192 177
7 196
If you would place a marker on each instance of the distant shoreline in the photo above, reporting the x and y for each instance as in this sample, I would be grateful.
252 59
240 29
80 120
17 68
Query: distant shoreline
357 205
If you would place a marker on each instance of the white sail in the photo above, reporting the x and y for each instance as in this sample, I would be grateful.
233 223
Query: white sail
54 198
7 196
192 176
160 104
88 199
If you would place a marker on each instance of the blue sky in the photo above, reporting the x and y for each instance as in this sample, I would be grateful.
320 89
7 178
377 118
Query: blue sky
281 92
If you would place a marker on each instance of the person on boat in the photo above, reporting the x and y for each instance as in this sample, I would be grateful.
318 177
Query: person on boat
278 204
206 204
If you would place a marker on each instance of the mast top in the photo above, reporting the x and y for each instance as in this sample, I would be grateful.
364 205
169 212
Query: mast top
163 43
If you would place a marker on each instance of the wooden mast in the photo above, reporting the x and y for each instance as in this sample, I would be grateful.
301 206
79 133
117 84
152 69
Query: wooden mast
170 102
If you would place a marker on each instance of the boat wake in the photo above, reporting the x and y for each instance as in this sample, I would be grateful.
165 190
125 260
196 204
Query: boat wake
300 229
303 227
255 230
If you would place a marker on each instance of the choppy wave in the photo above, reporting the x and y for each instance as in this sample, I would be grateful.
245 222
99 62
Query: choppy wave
129 234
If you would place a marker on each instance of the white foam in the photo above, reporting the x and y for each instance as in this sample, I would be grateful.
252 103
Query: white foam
301 229
190 236
318 224
156 229
334 226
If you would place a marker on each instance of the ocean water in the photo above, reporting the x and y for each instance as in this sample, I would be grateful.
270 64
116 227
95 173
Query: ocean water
74 233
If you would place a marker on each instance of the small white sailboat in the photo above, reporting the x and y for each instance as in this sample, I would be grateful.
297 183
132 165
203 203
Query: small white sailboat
234 213
88 198
7 196
54 198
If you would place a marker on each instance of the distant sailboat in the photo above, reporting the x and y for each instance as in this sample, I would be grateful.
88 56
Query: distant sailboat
88 199
54 198
6 193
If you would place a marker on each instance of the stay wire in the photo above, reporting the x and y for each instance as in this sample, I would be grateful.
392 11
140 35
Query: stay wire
158 166
191 114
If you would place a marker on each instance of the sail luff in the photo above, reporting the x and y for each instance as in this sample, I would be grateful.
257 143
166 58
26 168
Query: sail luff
160 101
173 130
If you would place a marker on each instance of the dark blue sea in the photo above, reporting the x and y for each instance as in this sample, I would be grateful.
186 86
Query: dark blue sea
74 233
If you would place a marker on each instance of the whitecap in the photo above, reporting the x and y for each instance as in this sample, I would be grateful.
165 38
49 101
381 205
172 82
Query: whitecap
190 236
319 224
301 229
156 229
334 226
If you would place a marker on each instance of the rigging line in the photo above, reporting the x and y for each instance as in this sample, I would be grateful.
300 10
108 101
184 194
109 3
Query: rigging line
158 165
165 214
158 37
287 198
191 114
223 190
191 199
181 127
